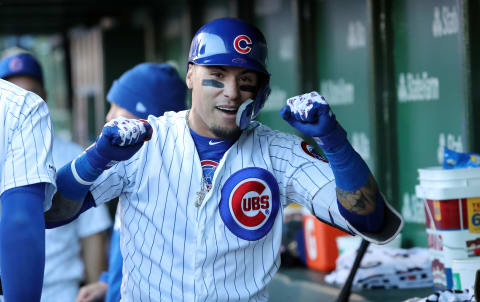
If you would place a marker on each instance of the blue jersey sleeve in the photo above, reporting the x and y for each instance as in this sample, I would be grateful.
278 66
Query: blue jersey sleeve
22 230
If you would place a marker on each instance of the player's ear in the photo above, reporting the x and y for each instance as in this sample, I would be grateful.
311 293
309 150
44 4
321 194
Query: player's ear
188 78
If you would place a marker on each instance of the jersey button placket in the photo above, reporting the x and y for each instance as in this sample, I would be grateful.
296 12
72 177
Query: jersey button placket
200 255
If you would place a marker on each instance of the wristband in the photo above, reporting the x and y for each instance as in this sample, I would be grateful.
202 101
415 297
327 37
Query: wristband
96 160
337 137
74 179
350 170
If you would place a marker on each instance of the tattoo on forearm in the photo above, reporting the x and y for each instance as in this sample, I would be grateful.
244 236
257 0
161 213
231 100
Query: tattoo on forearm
62 209
361 201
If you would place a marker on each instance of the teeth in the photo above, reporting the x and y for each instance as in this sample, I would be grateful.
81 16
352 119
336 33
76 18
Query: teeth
227 109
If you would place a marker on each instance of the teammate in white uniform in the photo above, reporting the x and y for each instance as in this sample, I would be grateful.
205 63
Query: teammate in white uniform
202 201
27 184
86 236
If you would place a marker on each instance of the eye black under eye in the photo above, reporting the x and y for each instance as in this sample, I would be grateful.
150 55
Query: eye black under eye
212 83
248 88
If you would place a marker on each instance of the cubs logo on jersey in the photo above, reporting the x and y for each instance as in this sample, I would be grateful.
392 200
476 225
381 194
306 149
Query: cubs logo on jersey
250 202
311 152
241 44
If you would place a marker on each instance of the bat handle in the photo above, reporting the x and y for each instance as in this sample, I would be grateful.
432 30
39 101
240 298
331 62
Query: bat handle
347 287
476 286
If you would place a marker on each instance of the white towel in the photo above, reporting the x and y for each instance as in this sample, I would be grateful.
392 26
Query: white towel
385 267
448 296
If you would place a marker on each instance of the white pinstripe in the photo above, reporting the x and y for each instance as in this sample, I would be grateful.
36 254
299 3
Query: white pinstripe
175 251
26 141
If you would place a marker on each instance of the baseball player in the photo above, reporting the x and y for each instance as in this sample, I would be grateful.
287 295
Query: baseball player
76 249
147 88
27 184
202 192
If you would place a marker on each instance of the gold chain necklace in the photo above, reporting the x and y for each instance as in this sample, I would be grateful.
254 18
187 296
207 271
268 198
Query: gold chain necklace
203 191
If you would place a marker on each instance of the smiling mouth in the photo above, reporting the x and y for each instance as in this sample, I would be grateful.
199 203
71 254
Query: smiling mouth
228 110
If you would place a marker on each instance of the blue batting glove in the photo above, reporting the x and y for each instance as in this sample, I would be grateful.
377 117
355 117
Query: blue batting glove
120 139
311 115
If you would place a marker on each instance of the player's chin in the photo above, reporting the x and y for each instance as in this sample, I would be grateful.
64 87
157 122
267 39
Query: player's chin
226 131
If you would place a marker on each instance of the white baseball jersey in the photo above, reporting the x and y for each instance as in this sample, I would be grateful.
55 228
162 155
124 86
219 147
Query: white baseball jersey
178 246
26 141
64 268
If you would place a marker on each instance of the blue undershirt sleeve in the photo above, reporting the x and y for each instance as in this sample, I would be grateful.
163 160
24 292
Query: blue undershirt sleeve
103 277
22 244
114 269
351 173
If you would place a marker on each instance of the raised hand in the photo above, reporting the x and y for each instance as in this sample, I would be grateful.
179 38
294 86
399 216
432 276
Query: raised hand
310 114
120 139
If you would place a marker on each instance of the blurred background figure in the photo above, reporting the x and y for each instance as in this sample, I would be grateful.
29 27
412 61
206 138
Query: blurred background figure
75 252
146 89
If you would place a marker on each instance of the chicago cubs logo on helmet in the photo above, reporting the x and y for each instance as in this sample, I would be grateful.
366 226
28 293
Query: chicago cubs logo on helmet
15 64
311 152
241 44
250 202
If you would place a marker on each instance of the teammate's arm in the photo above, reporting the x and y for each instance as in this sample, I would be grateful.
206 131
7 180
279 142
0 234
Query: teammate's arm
22 230
120 140
27 186
64 210
359 199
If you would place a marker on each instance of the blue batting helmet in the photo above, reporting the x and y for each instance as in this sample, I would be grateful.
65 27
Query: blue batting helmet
233 42
21 63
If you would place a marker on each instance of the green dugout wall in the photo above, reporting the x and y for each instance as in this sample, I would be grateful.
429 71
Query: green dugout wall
344 69
428 56
277 19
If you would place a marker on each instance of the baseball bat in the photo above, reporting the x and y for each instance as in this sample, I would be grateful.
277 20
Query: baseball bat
476 286
347 287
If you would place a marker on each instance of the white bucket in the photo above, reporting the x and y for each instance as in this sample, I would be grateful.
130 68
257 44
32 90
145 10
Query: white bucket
452 209
464 272
437 183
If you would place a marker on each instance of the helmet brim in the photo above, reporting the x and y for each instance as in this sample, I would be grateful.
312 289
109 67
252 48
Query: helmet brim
231 60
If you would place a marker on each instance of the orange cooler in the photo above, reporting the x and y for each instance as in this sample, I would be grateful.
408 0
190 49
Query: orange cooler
320 244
